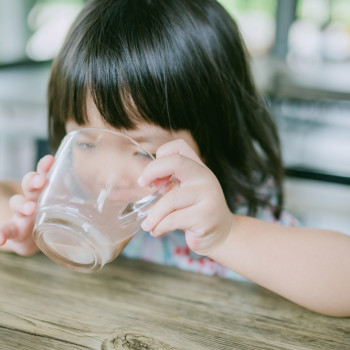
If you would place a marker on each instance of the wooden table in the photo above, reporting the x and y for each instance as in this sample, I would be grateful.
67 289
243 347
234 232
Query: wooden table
136 305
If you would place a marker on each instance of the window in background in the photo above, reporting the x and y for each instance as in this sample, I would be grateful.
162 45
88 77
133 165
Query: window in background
49 22
33 30
256 20
321 32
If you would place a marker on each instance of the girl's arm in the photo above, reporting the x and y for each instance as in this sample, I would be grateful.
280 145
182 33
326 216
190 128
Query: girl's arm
310 267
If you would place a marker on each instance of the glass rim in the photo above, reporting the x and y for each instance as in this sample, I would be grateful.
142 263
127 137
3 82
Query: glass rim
107 131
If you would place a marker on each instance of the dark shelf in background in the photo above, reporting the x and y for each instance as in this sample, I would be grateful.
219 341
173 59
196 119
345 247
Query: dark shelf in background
311 174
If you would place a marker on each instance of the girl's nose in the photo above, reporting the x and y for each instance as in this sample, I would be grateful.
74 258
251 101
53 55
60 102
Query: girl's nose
119 171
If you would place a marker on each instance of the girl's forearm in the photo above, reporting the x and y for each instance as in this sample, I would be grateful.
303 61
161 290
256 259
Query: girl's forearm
310 267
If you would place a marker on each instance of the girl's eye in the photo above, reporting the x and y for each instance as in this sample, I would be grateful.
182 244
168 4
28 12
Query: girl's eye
144 155
85 145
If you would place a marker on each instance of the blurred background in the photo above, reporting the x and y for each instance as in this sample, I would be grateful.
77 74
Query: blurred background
300 55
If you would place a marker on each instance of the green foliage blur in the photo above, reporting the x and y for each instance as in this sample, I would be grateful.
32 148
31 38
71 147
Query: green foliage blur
240 6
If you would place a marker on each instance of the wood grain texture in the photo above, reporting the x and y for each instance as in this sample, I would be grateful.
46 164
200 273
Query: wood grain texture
136 305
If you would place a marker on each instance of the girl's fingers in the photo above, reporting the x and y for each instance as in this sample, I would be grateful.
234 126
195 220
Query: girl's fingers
32 185
19 229
45 164
34 182
184 169
2 237
172 221
176 199
24 246
22 206
178 147
8 231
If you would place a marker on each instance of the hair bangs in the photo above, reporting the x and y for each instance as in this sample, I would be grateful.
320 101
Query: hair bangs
134 69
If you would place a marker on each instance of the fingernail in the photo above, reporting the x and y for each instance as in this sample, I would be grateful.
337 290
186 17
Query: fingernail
140 181
28 208
145 225
38 181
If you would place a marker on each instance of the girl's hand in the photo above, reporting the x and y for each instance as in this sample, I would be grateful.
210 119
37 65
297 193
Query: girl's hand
16 235
197 205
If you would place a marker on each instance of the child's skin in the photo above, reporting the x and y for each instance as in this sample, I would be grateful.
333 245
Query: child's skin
308 266
16 234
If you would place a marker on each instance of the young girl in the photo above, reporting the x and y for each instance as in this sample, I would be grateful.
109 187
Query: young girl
174 76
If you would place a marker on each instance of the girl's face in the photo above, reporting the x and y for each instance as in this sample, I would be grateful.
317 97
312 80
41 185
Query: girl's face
113 162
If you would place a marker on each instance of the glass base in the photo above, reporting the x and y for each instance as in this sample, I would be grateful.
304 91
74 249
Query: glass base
71 241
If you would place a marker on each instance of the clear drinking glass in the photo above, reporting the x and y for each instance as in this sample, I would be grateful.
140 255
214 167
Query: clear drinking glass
93 205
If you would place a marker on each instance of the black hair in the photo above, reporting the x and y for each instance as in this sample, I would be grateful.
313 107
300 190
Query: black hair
178 64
